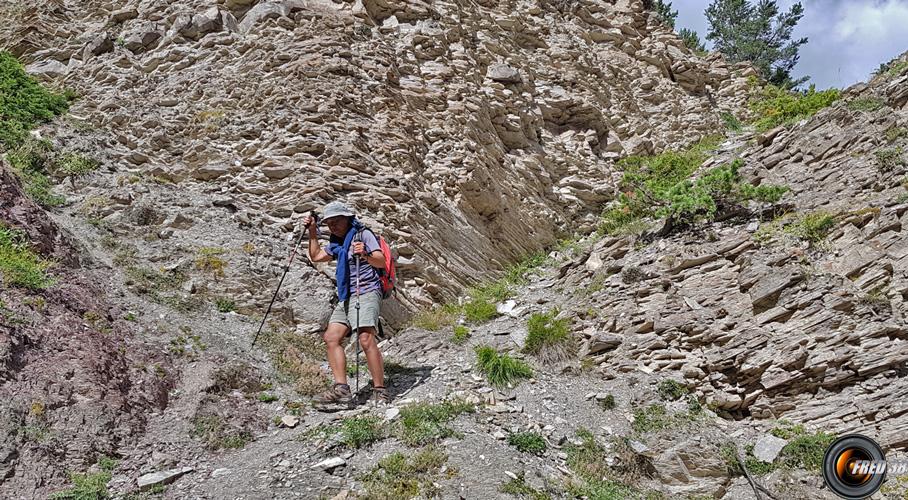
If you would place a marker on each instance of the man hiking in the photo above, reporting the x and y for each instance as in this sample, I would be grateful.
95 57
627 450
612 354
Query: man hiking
349 240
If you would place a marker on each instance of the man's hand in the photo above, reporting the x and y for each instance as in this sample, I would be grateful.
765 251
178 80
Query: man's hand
309 222
359 248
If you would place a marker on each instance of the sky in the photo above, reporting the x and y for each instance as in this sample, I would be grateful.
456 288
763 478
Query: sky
847 39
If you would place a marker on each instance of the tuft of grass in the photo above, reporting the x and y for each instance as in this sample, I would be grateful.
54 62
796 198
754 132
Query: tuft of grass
528 442
651 418
671 390
267 397
400 476
483 298
479 309
608 403
424 423
805 451
31 162
500 369
25 102
596 479
19 265
76 165
297 358
519 488
813 227
548 338
461 335
224 305
889 159
208 259
775 106
217 434
357 432
436 318
89 486
732 124
896 133
866 104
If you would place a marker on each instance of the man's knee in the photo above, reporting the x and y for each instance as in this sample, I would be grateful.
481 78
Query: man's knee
366 337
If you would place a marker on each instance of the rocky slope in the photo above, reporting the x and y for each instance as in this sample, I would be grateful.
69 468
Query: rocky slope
473 132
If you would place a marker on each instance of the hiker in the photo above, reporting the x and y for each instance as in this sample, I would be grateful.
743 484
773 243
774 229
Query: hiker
345 245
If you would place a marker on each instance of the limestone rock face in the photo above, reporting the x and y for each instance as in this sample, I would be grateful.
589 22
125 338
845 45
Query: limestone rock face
475 132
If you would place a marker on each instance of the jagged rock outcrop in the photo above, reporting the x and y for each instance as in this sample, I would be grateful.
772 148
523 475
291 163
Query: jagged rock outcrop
473 132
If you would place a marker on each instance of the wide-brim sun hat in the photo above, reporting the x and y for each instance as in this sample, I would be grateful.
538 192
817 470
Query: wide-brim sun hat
336 209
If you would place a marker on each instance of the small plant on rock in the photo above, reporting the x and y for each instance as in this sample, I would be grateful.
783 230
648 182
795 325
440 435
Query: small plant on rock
888 160
400 476
357 432
209 259
775 106
608 402
423 423
866 104
19 265
224 305
548 337
89 486
670 390
461 335
528 442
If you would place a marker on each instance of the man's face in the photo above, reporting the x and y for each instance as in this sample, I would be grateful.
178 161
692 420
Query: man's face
338 225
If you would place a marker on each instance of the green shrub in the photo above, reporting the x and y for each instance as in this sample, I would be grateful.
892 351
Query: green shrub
436 318
461 335
423 423
812 227
224 305
89 486
357 432
76 165
670 390
31 161
608 402
651 418
501 370
896 133
805 451
19 266
25 103
479 309
888 159
866 104
267 398
548 337
217 434
209 259
731 122
483 298
528 442
775 106
399 476
892 68
519 488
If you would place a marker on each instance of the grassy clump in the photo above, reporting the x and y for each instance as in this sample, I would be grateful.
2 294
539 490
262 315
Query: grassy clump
892 68
31 161
217 434
596 479
729 452
775 106
896 133
732 124
208 259
357 432
803 451
656 418
608 402
671 390
461 335
888 159
25 102
479 309
528 442
500 369
481 305
297 358
813 227
436 318
224 305
519 488
866 104
423 423
89 486
661 186
266 397
76 165
548 337
19 265
162 287
400 476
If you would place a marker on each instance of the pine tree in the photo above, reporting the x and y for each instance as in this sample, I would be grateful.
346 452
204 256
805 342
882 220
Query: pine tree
692 40
759 33
663 10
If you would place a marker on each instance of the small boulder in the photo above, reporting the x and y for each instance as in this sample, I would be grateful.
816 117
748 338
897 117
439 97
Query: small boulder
503 73
768 448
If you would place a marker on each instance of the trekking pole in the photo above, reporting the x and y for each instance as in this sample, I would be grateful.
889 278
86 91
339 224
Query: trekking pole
286 269
357 325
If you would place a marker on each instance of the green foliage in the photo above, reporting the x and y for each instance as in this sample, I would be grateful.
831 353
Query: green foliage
483 298
588 461
31 161
267 397
670 390
399 476
519 488
208 259
224 304
547 336
692 40
436 318
813 227
651 418
217 434
729 452
24 103
888 160
608 402
776 106
76 165
161 287
805 451
461 335
89 486
732 124
896 133
759 33
528 442
866 104
423 423
479 309
357 432
663 11
500 369
19 265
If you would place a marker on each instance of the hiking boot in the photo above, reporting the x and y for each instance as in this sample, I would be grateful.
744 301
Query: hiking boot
338 394
380 396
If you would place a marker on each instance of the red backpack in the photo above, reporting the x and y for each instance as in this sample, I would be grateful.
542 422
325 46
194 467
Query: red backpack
388 275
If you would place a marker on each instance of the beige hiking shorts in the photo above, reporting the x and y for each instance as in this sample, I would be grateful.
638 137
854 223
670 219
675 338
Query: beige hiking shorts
369 309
